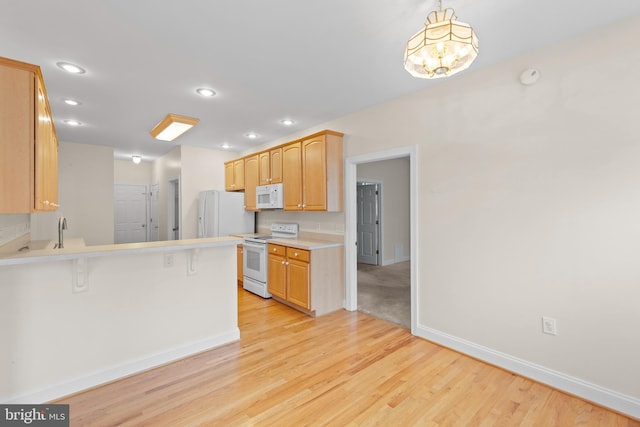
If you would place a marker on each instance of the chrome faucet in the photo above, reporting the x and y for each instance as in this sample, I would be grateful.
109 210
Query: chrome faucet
62 225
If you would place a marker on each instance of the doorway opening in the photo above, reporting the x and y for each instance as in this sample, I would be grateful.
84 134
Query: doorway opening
154 218
173 215
398 252
130 213
369 222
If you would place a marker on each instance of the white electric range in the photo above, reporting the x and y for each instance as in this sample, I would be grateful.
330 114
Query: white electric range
255 257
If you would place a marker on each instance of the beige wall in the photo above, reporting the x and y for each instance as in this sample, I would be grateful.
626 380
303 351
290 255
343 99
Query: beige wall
13 226
396 230
165 168
127 172
528 205
202 169
85 182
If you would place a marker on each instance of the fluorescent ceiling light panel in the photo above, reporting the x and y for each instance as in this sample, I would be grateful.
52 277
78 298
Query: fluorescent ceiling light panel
172 127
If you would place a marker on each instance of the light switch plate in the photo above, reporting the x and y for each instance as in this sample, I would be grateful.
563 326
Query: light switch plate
549 325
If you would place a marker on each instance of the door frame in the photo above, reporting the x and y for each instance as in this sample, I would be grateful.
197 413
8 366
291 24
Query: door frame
174 183
351 213
380 247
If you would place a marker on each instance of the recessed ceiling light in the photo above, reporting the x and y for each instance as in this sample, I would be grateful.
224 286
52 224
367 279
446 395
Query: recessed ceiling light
203 91
225 145
251 135
287 122
70 101
73 122
136 159
71 68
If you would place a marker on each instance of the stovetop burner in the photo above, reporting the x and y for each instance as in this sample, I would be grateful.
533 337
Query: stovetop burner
278 230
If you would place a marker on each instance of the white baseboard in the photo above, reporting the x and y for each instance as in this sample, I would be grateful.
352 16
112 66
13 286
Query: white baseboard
124 369
611 399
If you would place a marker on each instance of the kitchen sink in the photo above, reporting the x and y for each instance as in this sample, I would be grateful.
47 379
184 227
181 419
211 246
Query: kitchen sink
37 245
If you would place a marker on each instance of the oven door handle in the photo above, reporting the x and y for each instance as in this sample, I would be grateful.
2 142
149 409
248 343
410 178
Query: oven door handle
260 246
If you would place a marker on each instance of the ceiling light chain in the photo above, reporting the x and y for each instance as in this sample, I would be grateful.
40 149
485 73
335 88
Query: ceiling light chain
443 47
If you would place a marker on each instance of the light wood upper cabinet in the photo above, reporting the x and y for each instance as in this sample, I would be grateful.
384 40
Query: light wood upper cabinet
264 160
46 158
234 175
316 177
292 176
314 174
251 180
28 142
310 170
270 166
275 156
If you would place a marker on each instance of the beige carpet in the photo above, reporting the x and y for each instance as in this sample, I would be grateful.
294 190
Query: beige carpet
385 292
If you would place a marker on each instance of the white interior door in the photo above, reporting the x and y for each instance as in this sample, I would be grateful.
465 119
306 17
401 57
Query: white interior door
130 204
368 223
154 219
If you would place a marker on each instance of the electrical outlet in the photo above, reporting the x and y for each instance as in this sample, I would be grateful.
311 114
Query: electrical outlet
168 260
549 325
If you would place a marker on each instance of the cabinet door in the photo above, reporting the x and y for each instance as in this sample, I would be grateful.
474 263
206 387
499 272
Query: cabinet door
239 262
46 156
238 174
314 179
276 165
16 140
264 160
251 180
298 283
229 183
277 274
292 176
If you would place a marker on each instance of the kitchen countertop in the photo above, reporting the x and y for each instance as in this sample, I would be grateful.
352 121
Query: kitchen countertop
304 242
75 249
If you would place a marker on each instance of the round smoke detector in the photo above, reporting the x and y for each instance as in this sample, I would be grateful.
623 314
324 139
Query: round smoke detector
529 76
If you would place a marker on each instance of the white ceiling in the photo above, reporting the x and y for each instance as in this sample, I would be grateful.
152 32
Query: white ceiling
309 60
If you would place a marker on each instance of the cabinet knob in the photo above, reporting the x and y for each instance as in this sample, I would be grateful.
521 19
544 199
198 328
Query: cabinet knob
295 254
275 250
287 263
299 205
282 262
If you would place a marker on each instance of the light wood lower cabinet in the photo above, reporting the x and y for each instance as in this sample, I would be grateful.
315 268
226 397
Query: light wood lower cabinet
240 263
310 281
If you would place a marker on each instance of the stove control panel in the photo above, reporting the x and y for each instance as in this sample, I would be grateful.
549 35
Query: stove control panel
284 229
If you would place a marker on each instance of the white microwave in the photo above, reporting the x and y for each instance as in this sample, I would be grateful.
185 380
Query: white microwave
269 196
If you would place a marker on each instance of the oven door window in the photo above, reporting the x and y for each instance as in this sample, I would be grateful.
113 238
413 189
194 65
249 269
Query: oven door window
253 260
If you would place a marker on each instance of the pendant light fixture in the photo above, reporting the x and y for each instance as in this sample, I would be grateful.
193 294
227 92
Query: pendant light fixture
443 47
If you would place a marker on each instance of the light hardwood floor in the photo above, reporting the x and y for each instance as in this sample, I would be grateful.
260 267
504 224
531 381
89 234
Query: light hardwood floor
346 368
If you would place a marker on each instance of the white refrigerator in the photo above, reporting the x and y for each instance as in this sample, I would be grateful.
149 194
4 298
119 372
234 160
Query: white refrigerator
221 213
